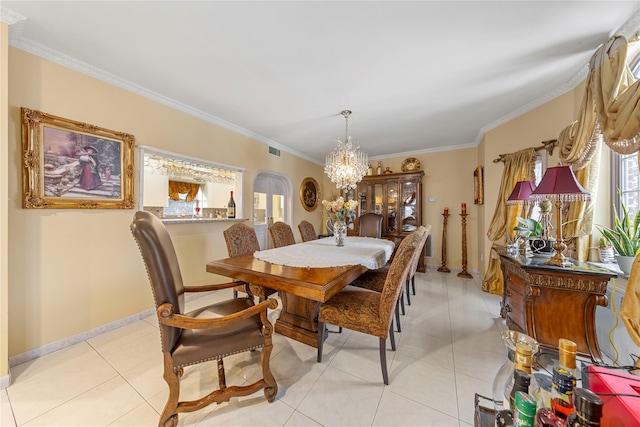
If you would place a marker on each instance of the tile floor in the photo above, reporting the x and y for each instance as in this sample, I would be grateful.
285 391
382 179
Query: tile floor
449 349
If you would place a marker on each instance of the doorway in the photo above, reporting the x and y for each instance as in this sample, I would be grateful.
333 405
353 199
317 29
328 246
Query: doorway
271 203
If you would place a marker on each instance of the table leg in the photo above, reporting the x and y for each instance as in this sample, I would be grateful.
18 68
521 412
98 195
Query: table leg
297 319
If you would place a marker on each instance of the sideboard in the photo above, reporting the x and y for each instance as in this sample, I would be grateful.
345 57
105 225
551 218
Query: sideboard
548 302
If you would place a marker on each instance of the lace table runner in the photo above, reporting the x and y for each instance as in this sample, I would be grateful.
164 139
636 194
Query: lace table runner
369 252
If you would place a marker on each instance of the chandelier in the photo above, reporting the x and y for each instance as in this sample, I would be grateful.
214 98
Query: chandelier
346 164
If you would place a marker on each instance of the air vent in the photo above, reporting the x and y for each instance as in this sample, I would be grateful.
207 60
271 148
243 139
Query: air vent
428 247
274 151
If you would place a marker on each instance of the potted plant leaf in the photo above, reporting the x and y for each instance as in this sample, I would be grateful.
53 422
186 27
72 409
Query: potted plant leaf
536 235
624 237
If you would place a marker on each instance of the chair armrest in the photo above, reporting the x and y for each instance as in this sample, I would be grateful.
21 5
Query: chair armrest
166 316
213 287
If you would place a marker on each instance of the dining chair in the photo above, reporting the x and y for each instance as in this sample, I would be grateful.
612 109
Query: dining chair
209 333
374 279
370 225
368 311
307 231
414 266
241 239
281 234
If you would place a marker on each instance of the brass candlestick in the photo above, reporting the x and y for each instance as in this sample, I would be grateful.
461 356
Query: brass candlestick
444 269
464 272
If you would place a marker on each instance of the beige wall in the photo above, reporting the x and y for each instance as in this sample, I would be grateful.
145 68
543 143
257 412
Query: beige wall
449 179
72 270
4 215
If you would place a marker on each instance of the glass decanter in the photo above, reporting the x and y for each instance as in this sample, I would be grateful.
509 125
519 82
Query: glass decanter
505 373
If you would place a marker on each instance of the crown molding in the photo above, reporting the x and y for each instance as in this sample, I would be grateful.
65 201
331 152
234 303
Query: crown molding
10 17
425 151
630 28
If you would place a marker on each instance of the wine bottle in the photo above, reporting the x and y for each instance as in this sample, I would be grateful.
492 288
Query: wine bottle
231 207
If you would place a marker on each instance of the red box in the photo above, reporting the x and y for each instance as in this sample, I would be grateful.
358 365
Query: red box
617 411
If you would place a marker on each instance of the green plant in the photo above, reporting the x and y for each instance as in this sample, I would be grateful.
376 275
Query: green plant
604 243
529 228
625 236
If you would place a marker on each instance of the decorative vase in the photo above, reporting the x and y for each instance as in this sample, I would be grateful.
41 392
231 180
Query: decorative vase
339 232
329 227
541 247
625 263
606 255
505 373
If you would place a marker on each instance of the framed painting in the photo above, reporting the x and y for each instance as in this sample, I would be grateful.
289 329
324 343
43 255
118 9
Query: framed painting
478 186
74 165
309 194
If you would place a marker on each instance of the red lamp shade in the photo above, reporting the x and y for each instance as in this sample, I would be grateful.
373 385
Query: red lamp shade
521 191
560 183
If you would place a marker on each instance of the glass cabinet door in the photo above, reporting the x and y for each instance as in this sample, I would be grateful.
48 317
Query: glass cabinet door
408 206
392 207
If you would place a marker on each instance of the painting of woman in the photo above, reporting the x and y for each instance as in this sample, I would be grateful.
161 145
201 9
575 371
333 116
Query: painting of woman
89 172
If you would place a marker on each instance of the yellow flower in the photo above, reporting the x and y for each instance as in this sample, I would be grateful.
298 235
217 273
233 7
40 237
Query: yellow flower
339 209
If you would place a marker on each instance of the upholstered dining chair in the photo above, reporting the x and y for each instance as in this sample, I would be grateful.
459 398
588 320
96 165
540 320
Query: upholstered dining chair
374 279
209 333
370 225
368 311
281 234
242 240
414 266
307 231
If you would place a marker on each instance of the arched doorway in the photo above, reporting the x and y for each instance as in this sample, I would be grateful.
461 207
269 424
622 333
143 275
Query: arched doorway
271 203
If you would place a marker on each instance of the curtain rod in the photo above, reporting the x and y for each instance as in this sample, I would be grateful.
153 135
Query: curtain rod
546 145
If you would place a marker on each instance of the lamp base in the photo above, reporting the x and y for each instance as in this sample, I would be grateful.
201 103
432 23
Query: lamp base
559 260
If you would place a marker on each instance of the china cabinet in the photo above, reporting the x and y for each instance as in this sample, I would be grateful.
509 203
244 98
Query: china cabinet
398 198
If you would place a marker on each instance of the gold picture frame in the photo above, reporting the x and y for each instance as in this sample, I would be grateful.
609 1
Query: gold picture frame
309 194
478 186
74 165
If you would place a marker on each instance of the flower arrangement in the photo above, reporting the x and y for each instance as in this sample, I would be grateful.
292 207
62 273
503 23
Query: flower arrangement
340 210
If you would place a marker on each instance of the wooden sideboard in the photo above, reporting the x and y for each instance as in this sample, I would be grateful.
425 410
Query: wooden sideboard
548 302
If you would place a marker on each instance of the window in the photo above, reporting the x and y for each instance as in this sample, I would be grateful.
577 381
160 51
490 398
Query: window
625 166
538 171
626 180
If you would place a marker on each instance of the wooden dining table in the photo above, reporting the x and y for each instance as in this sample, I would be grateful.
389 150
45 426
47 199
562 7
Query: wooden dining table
303 286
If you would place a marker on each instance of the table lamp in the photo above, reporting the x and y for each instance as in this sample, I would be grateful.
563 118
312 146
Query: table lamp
559 185
522 193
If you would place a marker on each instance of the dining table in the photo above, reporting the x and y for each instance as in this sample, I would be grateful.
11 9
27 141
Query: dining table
306 275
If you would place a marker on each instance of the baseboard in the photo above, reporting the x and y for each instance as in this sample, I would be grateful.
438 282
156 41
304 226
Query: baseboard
5 381
83 336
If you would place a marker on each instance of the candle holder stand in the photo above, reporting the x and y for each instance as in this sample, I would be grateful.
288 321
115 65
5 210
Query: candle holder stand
464 273
443 268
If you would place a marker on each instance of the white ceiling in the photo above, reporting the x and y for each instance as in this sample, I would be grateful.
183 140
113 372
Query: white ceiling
419 76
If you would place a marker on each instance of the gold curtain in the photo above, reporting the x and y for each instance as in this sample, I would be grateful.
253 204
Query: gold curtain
630 309
610 112
616 97
178 187
517 167
579 218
